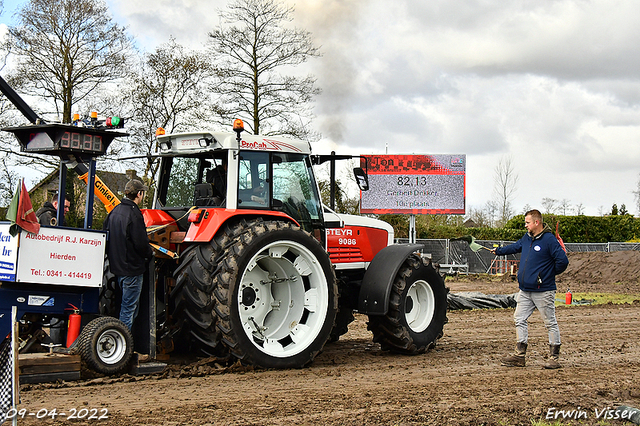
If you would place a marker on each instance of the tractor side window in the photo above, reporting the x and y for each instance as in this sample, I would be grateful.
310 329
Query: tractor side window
295 187
253 178
183 177
211 189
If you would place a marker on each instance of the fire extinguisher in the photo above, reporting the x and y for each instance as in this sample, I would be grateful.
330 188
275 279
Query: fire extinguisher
568 298
73 326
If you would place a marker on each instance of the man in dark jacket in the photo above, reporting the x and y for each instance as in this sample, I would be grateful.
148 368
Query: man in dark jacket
129 248
47 214
542 258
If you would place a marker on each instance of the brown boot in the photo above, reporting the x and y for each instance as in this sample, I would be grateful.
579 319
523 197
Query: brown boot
554 356
518 358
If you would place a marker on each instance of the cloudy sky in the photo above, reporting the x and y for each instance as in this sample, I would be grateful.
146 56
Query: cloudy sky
553 84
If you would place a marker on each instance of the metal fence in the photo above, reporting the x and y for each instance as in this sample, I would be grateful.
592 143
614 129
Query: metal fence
456 256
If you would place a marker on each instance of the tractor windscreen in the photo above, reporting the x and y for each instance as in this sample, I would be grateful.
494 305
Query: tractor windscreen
196 181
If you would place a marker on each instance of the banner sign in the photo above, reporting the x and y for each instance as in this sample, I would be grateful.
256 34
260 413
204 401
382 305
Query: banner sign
62 256
414 184
8 253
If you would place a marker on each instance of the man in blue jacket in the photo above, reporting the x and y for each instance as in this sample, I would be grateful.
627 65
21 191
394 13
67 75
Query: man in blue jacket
542 258
129 248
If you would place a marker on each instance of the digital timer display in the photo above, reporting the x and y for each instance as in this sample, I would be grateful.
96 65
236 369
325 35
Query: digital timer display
61 139
415 184
84 142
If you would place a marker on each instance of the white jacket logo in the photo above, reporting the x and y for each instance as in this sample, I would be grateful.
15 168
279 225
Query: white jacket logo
536 248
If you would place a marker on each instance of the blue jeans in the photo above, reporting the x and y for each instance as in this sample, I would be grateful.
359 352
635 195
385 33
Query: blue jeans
544 301
131 287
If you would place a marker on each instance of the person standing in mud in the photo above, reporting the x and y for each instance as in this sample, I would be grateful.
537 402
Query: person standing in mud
542 258
128 249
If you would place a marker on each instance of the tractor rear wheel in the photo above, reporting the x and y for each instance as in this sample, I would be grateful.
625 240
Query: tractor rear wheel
343 319
110 293
192 302
106 345
277 294
417 310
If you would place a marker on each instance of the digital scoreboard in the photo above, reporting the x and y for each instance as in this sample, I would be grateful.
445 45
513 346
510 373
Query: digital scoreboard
58 139
414 184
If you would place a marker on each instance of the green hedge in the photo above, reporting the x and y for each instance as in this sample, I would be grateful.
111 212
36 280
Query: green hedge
573 229
431 230
589 229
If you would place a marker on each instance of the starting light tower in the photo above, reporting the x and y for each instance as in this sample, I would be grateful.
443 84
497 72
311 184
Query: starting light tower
76 146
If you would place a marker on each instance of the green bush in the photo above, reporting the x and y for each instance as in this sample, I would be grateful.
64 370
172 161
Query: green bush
572 229
588 229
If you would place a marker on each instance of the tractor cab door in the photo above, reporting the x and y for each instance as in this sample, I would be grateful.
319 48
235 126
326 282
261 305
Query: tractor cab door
283 182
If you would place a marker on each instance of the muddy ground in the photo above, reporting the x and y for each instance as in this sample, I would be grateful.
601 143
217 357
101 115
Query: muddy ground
353 382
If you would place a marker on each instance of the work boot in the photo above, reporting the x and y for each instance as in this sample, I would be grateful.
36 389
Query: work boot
518 358
554 356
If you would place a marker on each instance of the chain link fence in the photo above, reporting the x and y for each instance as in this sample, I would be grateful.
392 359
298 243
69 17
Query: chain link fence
457 257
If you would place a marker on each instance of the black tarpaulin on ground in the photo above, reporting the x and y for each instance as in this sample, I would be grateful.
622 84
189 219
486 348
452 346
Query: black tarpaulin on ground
477 300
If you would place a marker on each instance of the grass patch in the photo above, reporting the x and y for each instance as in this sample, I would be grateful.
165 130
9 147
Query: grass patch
602 298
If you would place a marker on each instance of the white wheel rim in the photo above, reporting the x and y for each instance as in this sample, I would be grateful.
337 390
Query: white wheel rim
283 299
420 306
111 346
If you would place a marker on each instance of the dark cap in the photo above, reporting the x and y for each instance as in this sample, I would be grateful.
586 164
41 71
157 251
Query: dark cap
134 186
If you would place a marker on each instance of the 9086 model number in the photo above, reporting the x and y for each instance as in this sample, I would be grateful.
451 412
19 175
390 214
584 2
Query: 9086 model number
347 241
73 414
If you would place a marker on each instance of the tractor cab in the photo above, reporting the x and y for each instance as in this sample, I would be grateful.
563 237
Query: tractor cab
221 174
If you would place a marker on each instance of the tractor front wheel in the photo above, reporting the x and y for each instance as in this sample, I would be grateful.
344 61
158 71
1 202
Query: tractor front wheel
417 310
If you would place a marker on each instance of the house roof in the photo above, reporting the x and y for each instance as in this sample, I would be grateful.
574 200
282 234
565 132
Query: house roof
114 181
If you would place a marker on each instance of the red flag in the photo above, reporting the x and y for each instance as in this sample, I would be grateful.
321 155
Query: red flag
560 238
21 213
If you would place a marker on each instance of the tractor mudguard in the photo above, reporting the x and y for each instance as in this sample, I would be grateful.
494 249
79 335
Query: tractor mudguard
214 219
378 279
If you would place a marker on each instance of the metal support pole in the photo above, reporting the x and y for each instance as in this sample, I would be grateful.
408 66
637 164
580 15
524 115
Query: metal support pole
88 205
412 229
62 190
332 182
15 377
447 248
144 327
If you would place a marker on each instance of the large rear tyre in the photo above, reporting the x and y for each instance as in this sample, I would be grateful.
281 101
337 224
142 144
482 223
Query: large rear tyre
417 310
343 319
277 295
110 293
192 302
106 346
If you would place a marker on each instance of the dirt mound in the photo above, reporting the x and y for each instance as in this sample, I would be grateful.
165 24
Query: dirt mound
615 272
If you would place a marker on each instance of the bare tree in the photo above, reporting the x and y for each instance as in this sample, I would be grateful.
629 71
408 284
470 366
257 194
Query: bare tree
636 194
565 205
167 93
66 49
549 205
252 48
579 209
506 180
8 181
491 209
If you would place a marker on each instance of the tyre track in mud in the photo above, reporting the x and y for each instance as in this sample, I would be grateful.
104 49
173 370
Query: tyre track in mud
354 382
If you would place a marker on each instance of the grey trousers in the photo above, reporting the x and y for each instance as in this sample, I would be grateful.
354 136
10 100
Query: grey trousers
544 301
